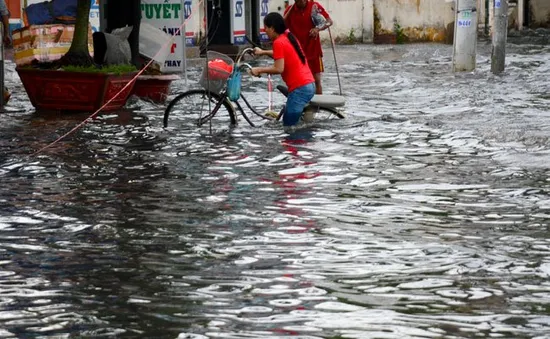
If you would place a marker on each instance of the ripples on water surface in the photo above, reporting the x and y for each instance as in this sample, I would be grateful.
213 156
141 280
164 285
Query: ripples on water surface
423 215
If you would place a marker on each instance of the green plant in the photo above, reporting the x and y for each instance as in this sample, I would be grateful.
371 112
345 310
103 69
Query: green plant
377 24
351 38
400 37
112 69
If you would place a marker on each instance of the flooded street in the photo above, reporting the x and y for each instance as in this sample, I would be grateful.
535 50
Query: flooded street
423 214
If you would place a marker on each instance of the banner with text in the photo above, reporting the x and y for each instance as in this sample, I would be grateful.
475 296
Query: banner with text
167 15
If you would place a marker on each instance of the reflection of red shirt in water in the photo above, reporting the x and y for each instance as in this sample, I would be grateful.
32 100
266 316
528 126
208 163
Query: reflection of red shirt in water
296 74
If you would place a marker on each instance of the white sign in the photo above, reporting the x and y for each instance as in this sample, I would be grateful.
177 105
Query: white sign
168 15
264 10
465 18
238 24
188 7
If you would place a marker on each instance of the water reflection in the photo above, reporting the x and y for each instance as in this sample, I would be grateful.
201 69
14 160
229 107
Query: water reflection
423 215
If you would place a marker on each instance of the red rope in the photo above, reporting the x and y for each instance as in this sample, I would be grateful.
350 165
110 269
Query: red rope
122 90
270 90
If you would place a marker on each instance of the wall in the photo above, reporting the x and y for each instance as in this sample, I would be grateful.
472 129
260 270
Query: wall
348 19
353 19
540 10
419 20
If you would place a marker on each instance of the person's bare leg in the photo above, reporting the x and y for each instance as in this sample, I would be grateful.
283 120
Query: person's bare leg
318 86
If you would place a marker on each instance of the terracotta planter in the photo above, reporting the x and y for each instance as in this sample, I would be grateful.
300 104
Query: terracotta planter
74 91
154 87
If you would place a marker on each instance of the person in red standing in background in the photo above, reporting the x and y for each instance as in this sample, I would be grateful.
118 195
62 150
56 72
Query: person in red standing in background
298 19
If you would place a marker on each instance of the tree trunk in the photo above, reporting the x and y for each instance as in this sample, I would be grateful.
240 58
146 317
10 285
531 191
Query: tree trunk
78 54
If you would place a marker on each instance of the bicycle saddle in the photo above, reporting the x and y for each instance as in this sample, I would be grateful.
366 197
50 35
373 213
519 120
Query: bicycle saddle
322 100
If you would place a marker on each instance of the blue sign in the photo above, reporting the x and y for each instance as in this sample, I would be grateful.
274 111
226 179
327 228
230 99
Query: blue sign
497 3
187 9
238 9
264 7
464 23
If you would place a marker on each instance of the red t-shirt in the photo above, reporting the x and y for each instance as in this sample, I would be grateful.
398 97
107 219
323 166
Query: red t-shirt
296 74
299 22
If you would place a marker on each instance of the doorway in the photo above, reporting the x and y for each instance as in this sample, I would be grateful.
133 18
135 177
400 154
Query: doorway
219 22
526 13
254 32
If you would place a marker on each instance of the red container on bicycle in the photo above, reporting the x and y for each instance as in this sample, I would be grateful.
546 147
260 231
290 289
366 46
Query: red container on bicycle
218 69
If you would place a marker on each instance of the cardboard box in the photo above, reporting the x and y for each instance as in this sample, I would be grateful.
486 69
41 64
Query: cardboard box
44 43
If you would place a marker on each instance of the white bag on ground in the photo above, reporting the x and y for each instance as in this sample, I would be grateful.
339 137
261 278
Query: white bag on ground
154 43
113 48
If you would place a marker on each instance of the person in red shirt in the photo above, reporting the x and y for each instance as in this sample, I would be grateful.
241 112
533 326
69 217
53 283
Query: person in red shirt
291 63
300 22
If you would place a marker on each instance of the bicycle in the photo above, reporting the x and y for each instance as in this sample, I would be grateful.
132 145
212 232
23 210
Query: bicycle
213 96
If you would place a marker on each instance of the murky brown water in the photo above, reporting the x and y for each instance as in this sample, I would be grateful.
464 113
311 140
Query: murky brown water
423 215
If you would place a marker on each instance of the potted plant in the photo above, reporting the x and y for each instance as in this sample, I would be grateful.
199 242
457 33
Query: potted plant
74 82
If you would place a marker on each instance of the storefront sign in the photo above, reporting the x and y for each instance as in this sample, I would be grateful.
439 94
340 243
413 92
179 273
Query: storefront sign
167 15
239 22
264 9
190 17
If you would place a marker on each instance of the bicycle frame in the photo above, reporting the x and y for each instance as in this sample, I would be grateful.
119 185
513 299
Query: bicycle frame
220 97
223 94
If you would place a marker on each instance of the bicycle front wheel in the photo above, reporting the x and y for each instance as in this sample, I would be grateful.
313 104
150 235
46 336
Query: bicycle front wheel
196 107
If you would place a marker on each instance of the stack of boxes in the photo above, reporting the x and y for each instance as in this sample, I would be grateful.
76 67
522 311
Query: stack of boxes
44 43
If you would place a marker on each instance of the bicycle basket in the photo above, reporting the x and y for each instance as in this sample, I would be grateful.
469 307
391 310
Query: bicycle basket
234 85
215 75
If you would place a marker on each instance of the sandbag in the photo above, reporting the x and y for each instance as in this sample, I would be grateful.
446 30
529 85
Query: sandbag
112 48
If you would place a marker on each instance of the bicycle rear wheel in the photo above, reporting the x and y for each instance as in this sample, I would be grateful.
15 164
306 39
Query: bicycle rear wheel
193 109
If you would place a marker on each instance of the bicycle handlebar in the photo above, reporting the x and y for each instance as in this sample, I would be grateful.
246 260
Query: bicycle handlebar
245 66
243 52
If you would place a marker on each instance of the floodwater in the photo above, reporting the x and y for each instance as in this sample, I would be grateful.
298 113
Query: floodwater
424 214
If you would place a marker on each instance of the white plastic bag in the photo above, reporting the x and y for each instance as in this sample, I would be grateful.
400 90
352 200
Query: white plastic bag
151 41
